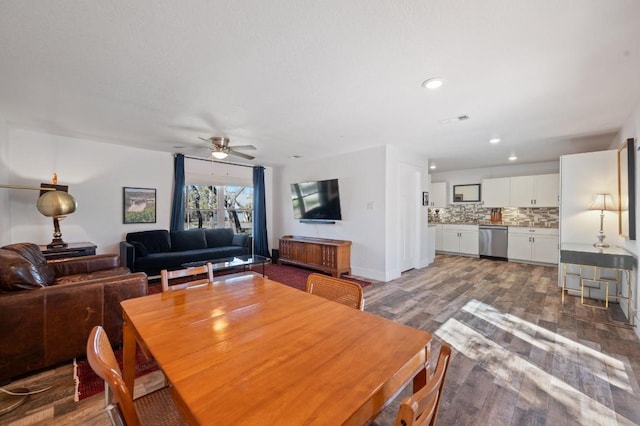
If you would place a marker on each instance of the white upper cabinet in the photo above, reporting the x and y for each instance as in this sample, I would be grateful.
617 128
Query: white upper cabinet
495 192
535 191
438 194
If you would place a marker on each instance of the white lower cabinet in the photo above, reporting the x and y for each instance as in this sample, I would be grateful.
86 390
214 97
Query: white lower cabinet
438 237
533 245
462 239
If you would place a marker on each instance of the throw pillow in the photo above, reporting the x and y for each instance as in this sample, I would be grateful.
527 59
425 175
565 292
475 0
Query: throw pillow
31 252
17 273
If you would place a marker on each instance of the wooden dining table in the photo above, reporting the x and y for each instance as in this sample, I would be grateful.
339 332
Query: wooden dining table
249 350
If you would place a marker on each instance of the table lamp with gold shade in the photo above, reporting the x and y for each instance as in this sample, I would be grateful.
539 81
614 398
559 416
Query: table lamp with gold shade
602 202
54 202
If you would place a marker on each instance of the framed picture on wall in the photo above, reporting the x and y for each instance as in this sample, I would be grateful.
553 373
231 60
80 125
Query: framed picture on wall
138 205
627 190
425 198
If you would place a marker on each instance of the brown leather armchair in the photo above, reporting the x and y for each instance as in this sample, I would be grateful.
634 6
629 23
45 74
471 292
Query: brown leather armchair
47 309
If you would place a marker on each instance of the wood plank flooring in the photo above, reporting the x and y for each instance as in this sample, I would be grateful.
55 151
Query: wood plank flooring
520 357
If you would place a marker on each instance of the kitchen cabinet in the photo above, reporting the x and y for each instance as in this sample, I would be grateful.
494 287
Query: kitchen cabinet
496 192
431 244
533 245
460 239
535 191
438 237
438 194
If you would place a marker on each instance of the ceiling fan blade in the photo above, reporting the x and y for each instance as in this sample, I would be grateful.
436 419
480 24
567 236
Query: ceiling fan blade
241 154
190 147
251 147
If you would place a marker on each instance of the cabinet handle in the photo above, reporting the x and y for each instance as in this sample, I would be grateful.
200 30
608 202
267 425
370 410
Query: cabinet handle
529 239
533 239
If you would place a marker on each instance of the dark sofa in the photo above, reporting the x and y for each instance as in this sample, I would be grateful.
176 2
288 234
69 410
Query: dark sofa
152 251
47 309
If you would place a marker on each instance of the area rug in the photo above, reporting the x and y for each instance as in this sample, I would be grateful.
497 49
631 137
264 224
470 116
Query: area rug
90 384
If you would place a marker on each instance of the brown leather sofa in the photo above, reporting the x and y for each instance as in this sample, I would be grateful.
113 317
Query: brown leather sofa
47 309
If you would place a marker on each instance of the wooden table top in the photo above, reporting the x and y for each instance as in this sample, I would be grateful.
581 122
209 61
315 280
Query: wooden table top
249 350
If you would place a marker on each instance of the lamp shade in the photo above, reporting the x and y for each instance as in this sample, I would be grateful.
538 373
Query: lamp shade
56 204
603 202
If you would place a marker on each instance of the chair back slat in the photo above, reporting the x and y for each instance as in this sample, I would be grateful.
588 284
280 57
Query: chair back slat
166 277
336 289
103 362
421 408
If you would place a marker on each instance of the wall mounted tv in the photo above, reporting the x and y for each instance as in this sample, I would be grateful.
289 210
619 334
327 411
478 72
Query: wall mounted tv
317 201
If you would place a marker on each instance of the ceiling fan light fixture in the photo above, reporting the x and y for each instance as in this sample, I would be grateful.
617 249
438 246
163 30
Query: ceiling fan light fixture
219 155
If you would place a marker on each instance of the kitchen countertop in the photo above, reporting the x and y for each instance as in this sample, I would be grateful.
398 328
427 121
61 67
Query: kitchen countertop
503 223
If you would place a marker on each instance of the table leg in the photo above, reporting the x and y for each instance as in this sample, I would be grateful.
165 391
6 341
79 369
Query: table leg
128 354
420 380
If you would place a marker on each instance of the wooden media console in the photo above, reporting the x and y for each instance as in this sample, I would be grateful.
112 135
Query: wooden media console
332 256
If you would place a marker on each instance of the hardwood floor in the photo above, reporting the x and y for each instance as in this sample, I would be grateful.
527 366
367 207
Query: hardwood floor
519 356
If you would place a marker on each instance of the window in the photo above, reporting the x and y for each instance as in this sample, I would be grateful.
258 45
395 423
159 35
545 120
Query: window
219 206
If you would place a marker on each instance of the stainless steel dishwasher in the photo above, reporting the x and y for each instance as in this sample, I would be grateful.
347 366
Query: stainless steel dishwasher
493 241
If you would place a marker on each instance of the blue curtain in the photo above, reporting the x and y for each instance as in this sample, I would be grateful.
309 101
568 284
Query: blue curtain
177 207
260 241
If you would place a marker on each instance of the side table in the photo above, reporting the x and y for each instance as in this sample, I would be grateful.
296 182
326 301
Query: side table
613 258
71 250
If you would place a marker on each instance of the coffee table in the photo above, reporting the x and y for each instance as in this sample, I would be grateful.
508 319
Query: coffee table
243 262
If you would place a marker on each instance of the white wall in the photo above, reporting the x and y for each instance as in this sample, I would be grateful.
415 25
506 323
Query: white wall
631 129
5 219
95 172
581 177
367 182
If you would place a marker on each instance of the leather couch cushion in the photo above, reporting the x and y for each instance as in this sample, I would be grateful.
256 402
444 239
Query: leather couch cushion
31 252
192 239
104 273
219 237
156 241
17 273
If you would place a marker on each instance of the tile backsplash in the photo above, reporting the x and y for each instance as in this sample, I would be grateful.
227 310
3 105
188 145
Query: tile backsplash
469 212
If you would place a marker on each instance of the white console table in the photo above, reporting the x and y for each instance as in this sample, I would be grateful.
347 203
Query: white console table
616 259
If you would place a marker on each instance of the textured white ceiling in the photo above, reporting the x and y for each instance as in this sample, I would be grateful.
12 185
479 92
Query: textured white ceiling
316 78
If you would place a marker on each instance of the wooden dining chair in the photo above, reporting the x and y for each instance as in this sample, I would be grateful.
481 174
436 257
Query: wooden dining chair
167 276
156 408
336 289
421 408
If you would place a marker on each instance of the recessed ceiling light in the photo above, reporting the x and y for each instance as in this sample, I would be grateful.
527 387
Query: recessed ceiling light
432 83
513 158
494 140
432 167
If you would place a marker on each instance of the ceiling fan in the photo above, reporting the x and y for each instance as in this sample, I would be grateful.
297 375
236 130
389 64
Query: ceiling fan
220 148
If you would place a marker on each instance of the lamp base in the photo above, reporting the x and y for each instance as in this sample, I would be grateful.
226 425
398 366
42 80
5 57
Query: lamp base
600 243
57 243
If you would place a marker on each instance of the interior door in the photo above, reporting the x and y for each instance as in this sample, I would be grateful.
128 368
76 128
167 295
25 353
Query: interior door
407 215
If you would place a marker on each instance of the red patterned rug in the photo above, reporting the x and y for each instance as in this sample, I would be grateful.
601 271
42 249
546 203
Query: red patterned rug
90 384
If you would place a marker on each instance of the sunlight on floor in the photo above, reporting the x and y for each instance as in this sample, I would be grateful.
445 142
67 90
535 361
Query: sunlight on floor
603 366
529 380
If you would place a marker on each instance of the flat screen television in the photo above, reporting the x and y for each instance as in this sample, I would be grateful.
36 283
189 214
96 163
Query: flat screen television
318 200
